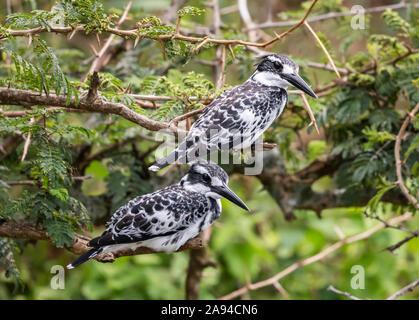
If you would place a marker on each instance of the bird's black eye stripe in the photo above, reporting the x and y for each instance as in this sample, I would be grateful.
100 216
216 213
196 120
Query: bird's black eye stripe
278 65
206 177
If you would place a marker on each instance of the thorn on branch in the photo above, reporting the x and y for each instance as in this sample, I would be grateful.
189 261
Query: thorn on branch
30 38
310 113
97 39
27 142
94 50
199 46
137 40
72 33
163 49
231 51
92 94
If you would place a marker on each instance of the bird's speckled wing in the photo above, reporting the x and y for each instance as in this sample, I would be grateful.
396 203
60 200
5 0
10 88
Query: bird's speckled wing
161 213
247 110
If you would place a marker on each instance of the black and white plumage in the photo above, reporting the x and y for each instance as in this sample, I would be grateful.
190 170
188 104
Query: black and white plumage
165 219
236 118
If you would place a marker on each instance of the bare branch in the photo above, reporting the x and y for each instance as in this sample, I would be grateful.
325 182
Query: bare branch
198 261
396 246
319 256
346 294
333 15
32 182
92 94
22 113
247 19
172 10
186 115
399 163
27 142
403 291
23 230
98 64
310 112
134 34
9 96
327 67
323 48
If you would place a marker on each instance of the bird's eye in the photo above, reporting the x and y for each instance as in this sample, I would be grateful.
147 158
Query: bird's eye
278 65
206 177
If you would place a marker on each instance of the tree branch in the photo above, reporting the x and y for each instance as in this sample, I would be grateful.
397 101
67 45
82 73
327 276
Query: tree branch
198 261
98 63
24 230
396 246
332 15
399 163
404 290
346 294
9 96
134 34
32 182
317 257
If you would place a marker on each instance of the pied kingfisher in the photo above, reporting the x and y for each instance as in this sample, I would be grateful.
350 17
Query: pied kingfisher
240 115
165 219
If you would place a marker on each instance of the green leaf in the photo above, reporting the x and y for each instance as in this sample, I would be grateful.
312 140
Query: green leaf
191 11
60 193
373 203
395 22
60 233
315 149
97 169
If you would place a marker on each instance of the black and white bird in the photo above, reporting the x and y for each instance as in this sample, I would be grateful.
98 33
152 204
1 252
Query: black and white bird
165 219
236 118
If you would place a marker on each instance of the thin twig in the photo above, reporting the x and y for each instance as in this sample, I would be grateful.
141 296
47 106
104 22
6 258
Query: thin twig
220 81
317 257
399 163
396 246
346 294
310 113
404 290
32 182
27 142
11 96
22 113
281 290
247 19
333 15
95 66
186 115
295 26
323 48
23 230
134 34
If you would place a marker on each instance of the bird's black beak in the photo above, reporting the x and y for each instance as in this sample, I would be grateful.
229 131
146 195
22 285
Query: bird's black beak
299 83
226 192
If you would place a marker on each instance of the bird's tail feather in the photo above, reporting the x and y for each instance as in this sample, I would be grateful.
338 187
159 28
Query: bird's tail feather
179 154
85 257
164 162
187 152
